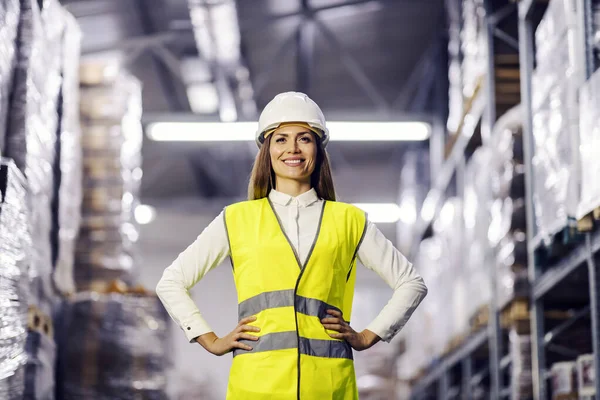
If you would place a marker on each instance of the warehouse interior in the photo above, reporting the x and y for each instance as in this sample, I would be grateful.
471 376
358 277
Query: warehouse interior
468 130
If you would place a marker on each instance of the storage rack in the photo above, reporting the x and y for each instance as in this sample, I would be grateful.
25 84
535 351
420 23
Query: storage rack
437 382
545 278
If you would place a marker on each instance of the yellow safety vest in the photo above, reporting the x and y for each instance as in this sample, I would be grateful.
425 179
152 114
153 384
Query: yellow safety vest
294 358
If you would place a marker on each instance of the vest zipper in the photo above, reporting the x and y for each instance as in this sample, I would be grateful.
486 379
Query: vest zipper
302 268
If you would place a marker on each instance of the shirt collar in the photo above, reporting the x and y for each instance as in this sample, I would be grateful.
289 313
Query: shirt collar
303 200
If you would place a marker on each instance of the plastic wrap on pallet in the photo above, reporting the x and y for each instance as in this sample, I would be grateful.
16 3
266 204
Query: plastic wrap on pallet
40 369
455 78
478 197
426 332
586 387
563 380
555 121
15 249
589 136
117 348
473 46
521 376
33 124
69 192
449 226
413 189
9 21
596 29
111 142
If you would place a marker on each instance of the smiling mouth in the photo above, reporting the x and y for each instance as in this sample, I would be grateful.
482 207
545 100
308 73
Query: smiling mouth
294 162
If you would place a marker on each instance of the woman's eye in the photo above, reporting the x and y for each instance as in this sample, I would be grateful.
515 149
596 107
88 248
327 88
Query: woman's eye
280 140
305 139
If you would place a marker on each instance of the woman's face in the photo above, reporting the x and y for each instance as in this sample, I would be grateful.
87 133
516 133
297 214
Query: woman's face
293 153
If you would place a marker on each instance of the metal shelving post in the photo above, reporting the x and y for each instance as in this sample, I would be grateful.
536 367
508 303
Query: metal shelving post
487 127
585 14
526 60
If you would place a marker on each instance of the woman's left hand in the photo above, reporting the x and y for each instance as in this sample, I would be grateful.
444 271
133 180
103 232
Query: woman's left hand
358 341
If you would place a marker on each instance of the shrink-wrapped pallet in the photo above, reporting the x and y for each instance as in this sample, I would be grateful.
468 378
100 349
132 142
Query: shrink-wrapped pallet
15 250
521 383
473 45
589 136
413 188
434 315
555 84
111 142
68 192
9 23
32 135
478 197
116 347
419 334
563 381
596 29
449 227
506 234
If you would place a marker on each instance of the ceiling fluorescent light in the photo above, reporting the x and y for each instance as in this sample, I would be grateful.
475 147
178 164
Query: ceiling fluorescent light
381 212
244 131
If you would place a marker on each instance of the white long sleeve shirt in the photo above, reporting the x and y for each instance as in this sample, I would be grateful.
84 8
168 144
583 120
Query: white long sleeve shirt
299 218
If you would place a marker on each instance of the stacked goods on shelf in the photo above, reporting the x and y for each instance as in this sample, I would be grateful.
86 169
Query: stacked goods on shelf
596 29
466 57
111 139
506 234
114 341
413 188
15 247
473 46
521 375
442 317
32 132
67 213
418 333
555 121
116 347
589 137
477 214
9 21
449 228
455 92
586 387
40 125
564 381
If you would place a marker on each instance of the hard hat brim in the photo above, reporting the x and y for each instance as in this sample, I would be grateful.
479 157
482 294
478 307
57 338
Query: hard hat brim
322 132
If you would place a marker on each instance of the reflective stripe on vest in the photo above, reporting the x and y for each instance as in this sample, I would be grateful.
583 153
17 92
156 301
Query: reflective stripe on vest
289 340
295 356
284 298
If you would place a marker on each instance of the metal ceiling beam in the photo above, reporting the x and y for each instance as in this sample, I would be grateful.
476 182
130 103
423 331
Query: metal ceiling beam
269 19
354 69
415 79
264 77
305 45
168 68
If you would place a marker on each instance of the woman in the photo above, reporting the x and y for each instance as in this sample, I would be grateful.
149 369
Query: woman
293 249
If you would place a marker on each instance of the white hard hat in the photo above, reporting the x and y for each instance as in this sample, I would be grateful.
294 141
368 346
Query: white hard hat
291 107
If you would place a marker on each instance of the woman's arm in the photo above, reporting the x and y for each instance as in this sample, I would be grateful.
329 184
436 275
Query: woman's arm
379 254
205 253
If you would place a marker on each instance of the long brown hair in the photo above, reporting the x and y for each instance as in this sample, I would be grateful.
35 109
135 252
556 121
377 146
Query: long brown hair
262 178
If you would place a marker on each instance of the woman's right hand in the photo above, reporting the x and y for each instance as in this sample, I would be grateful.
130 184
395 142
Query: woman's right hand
220 346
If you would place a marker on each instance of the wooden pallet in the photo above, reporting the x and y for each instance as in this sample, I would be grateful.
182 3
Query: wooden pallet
480 318
455 343
516 316
37 321
589 221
